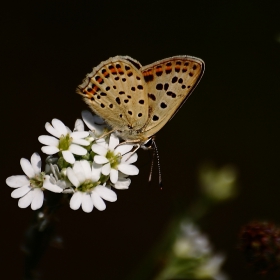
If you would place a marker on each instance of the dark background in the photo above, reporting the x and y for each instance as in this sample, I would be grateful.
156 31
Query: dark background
232 117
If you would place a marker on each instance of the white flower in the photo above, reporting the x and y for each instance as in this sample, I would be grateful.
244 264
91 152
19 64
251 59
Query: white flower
122 183
64 140
30 186
94 123
115 158
59 178
89 192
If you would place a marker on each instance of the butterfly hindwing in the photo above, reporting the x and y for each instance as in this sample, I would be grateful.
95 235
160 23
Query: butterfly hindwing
115 90
169 82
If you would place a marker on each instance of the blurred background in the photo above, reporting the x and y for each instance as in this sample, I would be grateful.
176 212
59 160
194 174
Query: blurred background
231 118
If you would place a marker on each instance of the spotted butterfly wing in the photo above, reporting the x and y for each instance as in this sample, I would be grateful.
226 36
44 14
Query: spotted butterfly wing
169 83
115 90
137 101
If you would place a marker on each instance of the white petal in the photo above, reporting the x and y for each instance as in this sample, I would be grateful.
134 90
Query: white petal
50 150
106 193
79 171
100 150
128 158
128 169
49 128
96 171
59 126
87 203
69 131
113 142
68 156
76 200
114 175
38 199
94 123
51 187
97 201
27 167
48 140
72 177
88 119
122 184
100 159
102 142
79 134
79 125
20 192
77 150
106 169
36 163
123 149
81 142
17 181
98 120
26 200
86 168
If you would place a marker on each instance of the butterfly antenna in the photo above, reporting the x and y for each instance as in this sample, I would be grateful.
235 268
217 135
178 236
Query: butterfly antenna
152 166
155 152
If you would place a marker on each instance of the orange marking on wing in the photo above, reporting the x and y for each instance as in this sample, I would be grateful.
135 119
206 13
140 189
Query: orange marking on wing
99 80
106 74
95 89
113 71
120 71
177 68
148 75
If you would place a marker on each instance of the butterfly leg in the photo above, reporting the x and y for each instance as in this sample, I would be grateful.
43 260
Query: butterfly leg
136 145
105 134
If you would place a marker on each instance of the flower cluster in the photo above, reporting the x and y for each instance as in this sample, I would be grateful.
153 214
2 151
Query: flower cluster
81 163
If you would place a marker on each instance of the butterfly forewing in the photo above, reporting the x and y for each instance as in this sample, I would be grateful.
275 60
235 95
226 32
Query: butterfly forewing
169 82
115 90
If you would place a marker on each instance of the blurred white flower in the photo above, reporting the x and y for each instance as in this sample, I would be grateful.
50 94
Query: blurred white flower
30 186
210 268
64 140
192 257
191 243
114 158
88 192
218 183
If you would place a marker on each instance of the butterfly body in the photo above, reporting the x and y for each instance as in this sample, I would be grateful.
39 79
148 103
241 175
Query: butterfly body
135 100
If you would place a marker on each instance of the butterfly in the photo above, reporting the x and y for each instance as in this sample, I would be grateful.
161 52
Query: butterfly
137 101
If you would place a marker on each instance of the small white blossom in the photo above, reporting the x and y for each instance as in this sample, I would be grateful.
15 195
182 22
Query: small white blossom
29 187
79 125
88 189
58 177
96 124
64 140
122 183
114 158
